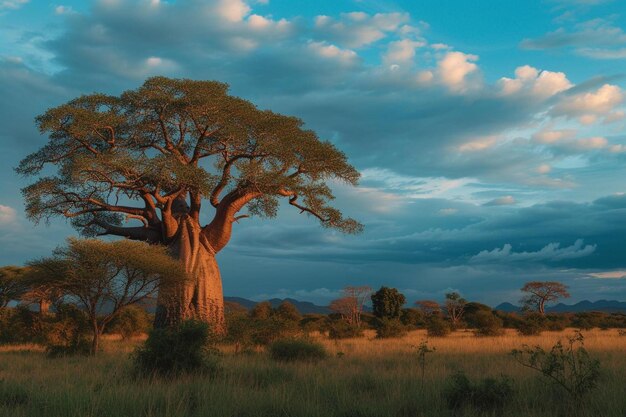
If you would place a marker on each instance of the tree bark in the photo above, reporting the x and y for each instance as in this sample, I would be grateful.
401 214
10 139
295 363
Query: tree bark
200 297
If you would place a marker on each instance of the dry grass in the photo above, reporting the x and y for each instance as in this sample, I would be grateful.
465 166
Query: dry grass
373 378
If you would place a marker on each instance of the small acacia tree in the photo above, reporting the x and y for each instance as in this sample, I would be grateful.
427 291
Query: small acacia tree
387 303
153 155
350 306
540 293
104 277
455 307
428 307
12 284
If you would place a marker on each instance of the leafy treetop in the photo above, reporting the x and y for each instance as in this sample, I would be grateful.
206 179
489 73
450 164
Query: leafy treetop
139 155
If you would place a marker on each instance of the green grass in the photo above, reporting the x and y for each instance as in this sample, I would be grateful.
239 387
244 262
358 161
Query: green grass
384 382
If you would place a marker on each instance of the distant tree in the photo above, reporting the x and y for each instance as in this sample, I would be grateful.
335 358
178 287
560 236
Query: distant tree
104 277
387 303
288 312
455 307
350 306
428 307
540 293
40 291
151 157
471 310
261 311
12 284
412 317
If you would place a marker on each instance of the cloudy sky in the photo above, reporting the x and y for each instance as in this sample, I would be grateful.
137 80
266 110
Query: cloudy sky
491 135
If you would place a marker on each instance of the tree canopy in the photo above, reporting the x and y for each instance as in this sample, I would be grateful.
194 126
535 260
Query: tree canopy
138 155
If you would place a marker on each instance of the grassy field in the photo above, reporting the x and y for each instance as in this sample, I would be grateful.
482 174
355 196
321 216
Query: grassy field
370 378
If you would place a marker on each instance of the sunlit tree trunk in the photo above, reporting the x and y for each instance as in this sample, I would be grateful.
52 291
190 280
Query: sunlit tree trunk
200 297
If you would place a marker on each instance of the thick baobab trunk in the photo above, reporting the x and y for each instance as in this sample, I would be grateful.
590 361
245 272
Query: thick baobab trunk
200 297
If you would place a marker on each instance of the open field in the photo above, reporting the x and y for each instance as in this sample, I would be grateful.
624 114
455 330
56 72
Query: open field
371 378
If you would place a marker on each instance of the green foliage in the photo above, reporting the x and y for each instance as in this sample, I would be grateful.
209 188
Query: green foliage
487 324
485 395
288 312
569 366
341 329
20 325
471 310
12 284
387 303
412 317
422 350
387 328
155 139
531 324
437 326
290 350
186 348
68 333
131 321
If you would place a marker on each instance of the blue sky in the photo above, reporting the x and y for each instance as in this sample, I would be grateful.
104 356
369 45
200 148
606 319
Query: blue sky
490 135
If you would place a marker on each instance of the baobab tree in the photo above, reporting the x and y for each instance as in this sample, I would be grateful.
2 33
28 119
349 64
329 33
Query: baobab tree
152 156
540 293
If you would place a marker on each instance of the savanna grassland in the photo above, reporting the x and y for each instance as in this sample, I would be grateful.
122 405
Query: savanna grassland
361 377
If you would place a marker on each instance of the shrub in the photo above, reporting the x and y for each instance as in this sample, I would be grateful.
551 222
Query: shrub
131 321
186 348
438 327
388 328
486 394
68 333
487 324
569 366
20 325
532 324
289 350
266 331
340 329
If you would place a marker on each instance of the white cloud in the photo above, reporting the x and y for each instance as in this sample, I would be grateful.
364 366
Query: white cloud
325 50
479 144
550 252
232 10
455 70
589 106
546 136
60 10
544 169
609 274
12 4
530 80
358 29
402 51
8 216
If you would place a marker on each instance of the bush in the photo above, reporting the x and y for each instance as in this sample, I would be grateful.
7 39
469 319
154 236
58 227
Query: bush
531 325
486 394
131 321
341 329
388 328
487 324
183 349
266 331
438 326
68 333
20 325
289 350
569 366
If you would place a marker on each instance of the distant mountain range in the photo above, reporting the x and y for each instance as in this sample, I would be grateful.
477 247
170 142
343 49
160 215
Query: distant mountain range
305 307
606 306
